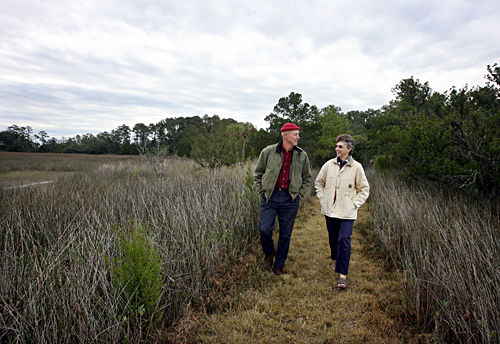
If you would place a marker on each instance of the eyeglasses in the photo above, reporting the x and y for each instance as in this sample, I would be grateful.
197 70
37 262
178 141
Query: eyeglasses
339 146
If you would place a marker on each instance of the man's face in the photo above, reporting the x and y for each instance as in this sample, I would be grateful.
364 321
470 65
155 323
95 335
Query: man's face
291 137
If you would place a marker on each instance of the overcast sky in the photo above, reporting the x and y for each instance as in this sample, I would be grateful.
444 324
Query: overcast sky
76 67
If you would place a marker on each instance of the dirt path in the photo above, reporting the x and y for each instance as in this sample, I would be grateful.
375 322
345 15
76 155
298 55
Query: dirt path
303 306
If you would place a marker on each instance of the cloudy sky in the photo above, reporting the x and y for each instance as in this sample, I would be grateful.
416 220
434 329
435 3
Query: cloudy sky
75 67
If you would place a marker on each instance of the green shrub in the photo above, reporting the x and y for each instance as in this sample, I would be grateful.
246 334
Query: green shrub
138 272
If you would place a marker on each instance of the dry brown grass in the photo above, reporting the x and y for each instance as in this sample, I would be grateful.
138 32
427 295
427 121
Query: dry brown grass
446 242
17 178
58 243
303 306
20 168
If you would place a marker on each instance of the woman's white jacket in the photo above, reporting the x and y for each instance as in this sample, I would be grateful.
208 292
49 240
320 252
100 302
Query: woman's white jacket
342 191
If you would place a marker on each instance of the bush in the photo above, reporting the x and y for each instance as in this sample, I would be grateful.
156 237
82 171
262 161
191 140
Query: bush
137 272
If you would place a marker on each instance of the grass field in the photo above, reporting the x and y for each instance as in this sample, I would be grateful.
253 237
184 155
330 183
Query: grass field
446 243
144 249
117 247
18 168
303 305
424 269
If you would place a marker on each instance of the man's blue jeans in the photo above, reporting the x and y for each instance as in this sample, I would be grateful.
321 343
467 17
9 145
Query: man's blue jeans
339 237
282 205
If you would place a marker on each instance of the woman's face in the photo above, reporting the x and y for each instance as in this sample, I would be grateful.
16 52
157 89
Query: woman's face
342 150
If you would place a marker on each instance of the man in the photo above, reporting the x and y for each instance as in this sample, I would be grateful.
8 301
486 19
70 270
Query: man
342 188
282 176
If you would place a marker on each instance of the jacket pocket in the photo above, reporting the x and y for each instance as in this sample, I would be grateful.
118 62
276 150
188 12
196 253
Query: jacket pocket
352 211
353 204
348 206
322 203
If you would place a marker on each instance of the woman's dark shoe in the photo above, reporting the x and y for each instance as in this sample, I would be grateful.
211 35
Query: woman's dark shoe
342 283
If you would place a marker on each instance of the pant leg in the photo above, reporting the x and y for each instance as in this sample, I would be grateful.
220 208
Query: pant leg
287 213
268 211
332 226
344 246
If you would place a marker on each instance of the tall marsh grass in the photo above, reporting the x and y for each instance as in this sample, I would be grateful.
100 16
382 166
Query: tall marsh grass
447 243
23 161
61 249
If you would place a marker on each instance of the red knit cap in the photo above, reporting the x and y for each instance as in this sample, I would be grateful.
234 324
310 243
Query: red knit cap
288 127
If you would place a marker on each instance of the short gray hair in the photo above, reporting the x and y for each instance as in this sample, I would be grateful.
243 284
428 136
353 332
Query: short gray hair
348 139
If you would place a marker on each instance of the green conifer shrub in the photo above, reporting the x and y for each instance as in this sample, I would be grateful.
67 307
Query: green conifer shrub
137 272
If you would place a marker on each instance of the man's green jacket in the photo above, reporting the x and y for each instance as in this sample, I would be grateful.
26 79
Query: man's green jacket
268 169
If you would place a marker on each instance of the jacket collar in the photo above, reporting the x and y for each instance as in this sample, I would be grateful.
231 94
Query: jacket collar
279 148
349 163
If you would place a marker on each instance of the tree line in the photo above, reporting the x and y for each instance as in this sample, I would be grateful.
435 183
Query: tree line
450 137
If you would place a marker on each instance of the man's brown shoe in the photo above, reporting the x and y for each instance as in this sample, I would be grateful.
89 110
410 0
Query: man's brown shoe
277 271
268 261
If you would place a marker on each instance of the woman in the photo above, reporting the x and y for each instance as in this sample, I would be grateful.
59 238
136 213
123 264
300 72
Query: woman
342 188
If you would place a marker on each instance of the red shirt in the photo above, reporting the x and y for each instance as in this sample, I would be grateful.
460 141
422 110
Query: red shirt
284 177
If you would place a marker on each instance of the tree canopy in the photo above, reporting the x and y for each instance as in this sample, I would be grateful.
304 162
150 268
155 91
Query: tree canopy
450 137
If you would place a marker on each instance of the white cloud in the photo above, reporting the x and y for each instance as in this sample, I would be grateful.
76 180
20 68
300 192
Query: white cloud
77 67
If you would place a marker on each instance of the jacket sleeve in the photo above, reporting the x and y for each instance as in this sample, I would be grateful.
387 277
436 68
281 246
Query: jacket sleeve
362 188
306 177
259 171
320 182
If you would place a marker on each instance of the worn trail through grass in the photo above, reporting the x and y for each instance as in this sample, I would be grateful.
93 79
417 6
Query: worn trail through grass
303 305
